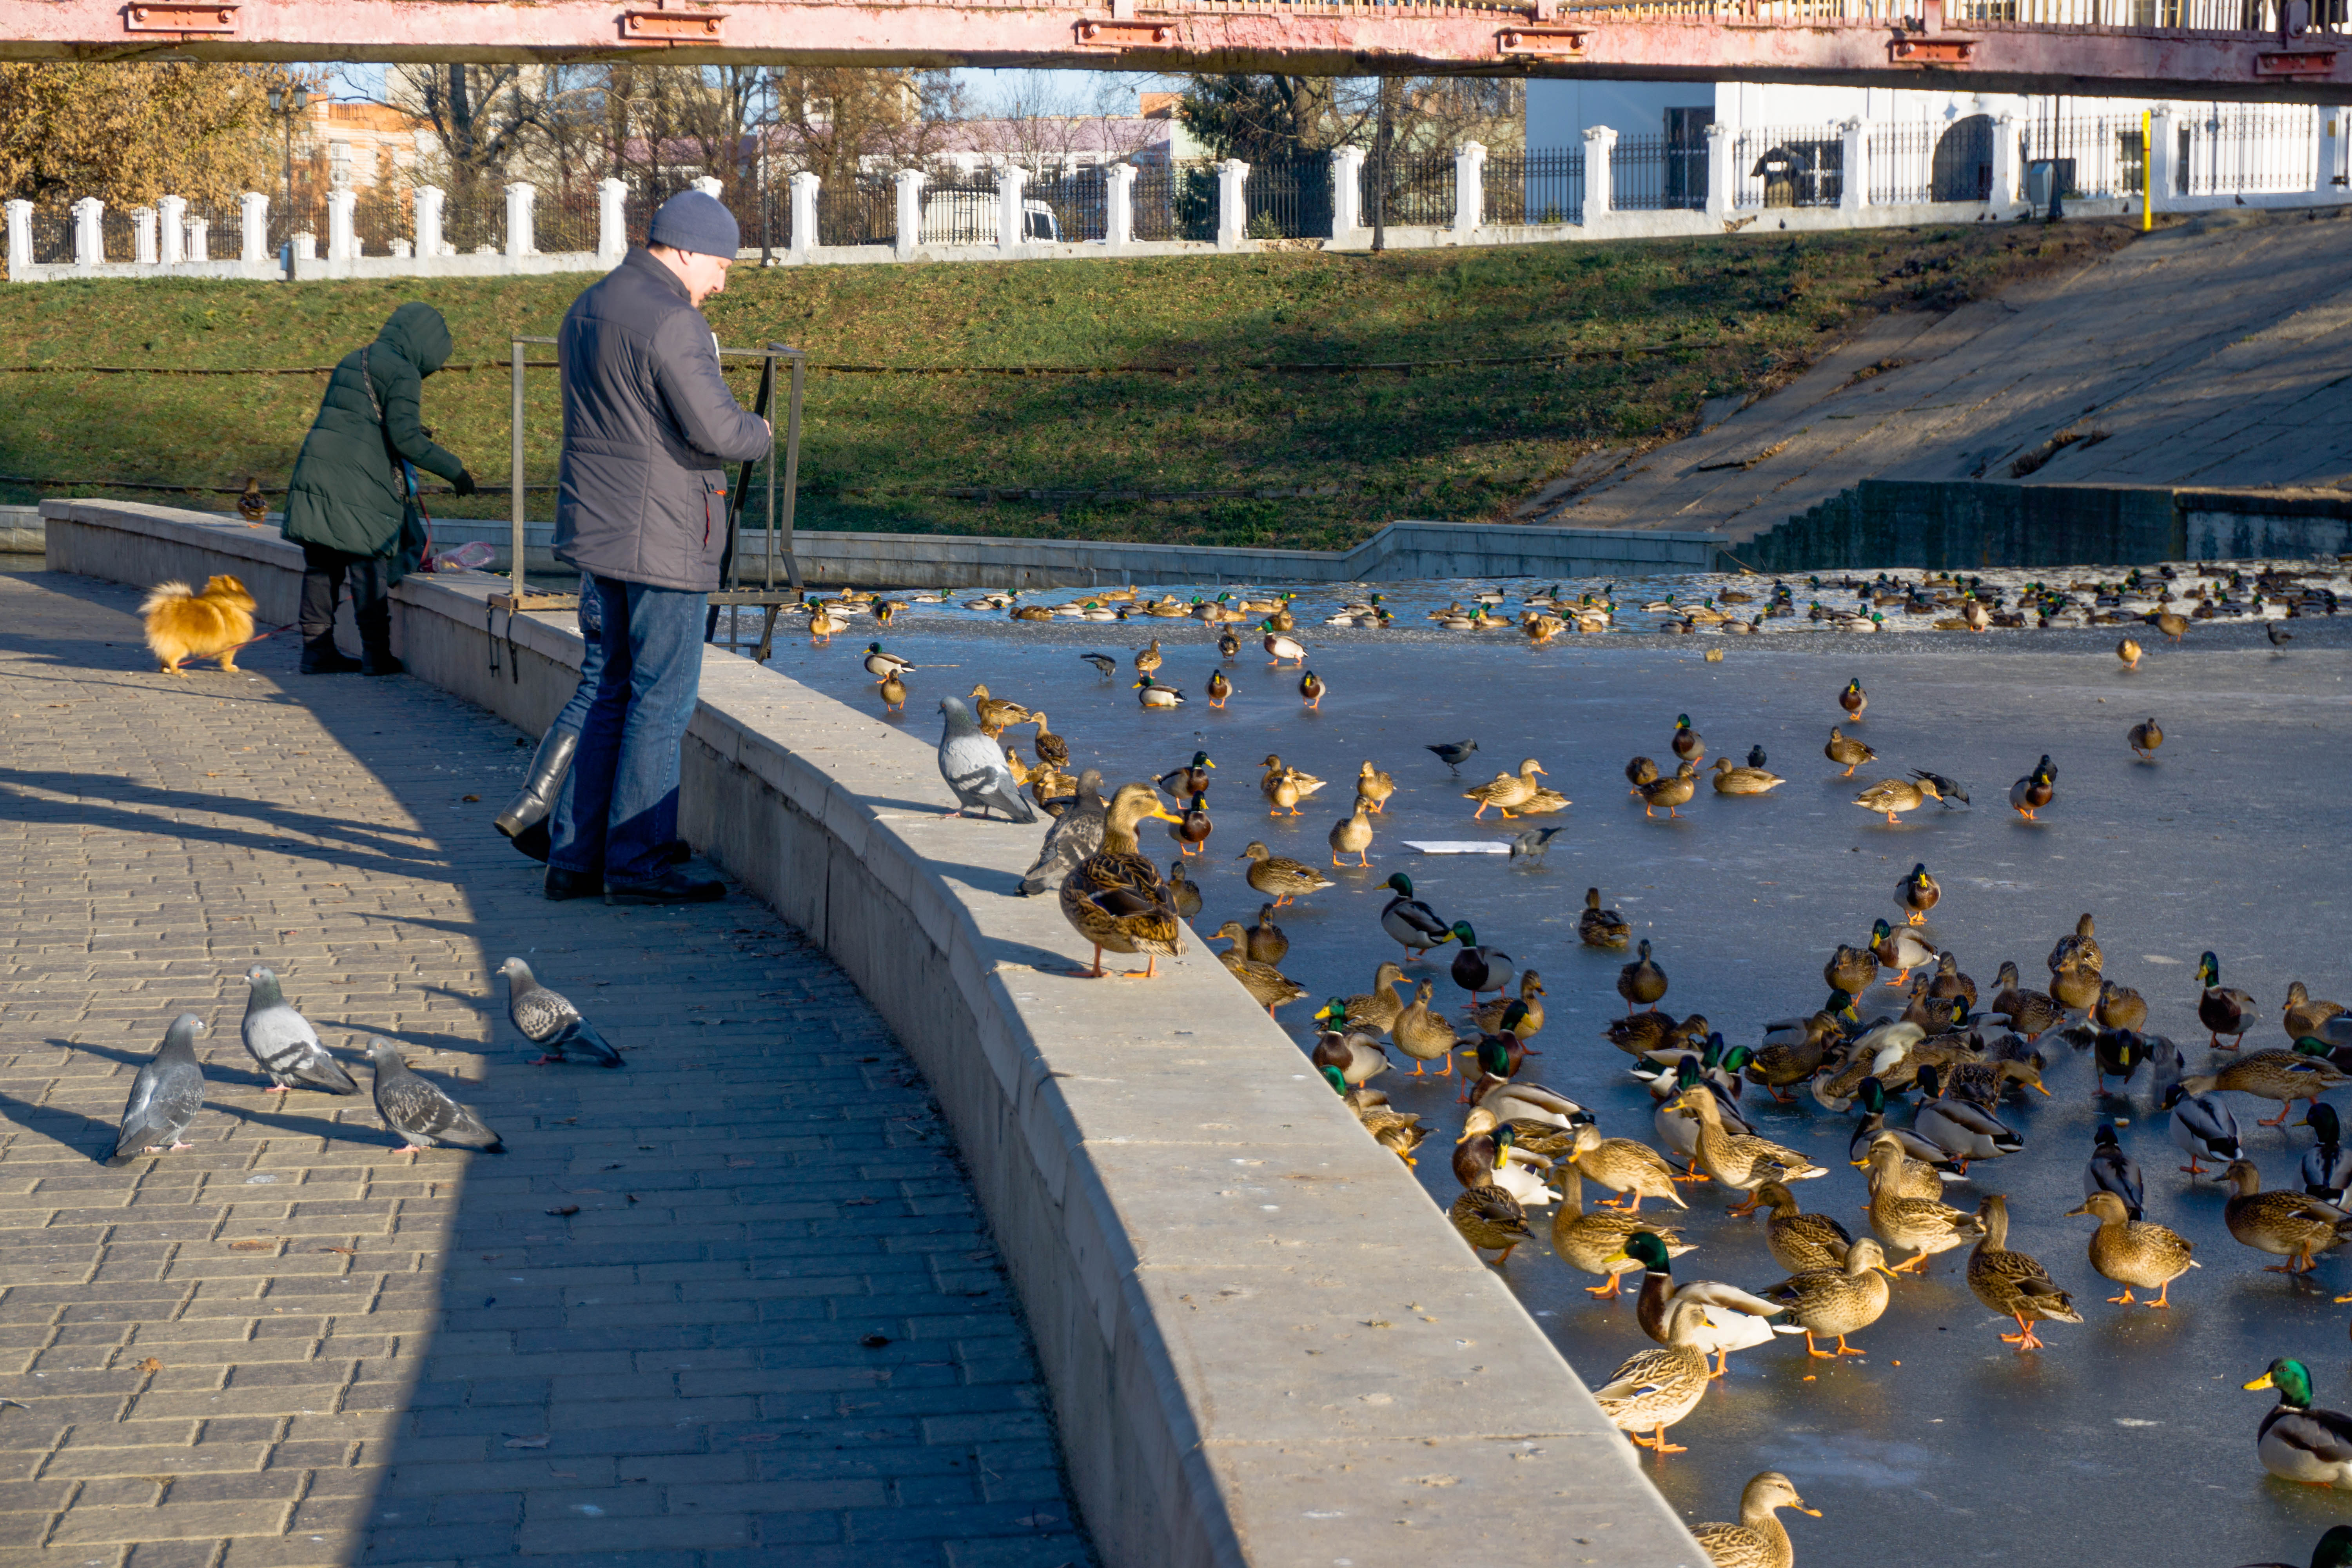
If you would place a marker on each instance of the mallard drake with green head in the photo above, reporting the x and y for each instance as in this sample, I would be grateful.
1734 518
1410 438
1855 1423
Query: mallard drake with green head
1900 950
1871 1097
1353 1054
1671 791
1193 826
1921 1227
1191 779
1799 1242
1630 1169
1841 1300
1476 968
1595 1243
2293 1225
1689 744
2014 1283
1918 893
1642 981
2133 1254
1487 1154
1499 1052
2298 1441
1515 1101
1890 797
1732 780
1114 898
1735 1319
1412 923
1738 1163
1267 985
1425 1035
1657 1389
1153 695
1597 927
2202 1127
1280 646
1279 877
2032 793
1489 1016
1847 752
1963 1130
1853 699
2222 1009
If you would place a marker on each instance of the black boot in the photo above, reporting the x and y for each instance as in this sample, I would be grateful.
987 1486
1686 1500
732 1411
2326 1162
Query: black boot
375 641
525 821
322 657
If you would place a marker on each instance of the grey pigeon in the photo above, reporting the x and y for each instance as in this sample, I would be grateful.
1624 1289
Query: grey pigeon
550 1021
420 1113
1076 833
1104 664
284 1045
975 767
165 1096
1453 754
1531 844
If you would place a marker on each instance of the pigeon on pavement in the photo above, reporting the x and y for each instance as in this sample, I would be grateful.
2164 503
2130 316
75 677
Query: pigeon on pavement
975 767
1076 833
550 1021
164 1096
419 1111
284 1045
1531 844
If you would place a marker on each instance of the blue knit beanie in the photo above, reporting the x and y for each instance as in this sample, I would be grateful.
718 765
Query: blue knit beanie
694 220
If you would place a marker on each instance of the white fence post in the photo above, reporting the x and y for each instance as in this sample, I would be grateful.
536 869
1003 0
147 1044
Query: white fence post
430 200
1118 217
520 234
1009 183
1346 192
1599 147
2163 159
196 244
20 240
2005 191
1233 204
1722 179
910 213
171 213
612 221
305 247
253 227
1854 191
144 249
342 234
1469 190
89 232
803 237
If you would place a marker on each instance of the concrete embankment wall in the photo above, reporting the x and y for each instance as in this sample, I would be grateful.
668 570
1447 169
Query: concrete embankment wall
1959 524
1200 1234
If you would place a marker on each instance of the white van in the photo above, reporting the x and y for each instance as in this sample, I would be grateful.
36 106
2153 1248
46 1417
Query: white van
956 215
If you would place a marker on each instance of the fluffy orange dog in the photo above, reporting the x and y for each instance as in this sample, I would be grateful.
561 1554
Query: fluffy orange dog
184 624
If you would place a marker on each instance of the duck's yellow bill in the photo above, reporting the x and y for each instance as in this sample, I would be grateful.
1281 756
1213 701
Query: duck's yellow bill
2261 1382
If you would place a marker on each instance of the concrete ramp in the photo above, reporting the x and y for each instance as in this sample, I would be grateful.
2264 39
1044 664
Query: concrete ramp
2209 356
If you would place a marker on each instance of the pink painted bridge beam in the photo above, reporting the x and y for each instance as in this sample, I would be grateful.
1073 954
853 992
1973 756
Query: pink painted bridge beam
2219 49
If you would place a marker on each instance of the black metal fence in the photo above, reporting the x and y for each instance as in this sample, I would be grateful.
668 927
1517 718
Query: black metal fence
565 220
1901 163
224 228
1788 166
963 208
1539 187
1079 200
864 213
2228 149
2098 156
1176 200
1289 200
1419 188
1657 173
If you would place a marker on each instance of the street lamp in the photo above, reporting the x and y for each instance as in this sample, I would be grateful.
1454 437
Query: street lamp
287 103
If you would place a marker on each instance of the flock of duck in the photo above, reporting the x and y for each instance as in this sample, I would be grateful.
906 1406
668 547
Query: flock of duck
1930 1035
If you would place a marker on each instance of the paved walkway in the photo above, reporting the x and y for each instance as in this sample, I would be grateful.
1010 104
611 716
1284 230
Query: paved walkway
733 1303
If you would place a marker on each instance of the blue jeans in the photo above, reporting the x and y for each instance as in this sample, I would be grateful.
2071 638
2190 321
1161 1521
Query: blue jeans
618 813
592 659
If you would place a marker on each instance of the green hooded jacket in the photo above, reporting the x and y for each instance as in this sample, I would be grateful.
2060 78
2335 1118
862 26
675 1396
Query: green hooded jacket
347 491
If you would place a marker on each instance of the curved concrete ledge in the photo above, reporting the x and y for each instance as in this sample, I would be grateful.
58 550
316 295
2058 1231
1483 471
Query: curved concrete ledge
1265 1344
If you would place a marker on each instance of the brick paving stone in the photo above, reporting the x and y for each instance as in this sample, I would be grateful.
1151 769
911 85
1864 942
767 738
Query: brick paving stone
289 1347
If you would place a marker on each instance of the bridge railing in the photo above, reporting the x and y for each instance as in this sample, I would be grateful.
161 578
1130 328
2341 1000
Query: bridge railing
2236 16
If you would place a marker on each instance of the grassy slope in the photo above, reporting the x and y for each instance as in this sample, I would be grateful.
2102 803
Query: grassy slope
1736 312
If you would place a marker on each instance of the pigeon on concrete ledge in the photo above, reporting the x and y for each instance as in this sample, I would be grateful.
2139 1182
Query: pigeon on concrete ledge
975 767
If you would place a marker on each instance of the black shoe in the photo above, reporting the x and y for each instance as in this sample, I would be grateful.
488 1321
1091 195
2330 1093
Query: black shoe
382 663
676 887
562 885
322 657
680 851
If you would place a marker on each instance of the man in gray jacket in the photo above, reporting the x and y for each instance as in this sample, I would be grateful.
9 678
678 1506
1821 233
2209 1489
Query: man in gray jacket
641 506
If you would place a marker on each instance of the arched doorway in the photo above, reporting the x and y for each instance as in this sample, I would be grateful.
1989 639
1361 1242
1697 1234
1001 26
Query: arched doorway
1962 171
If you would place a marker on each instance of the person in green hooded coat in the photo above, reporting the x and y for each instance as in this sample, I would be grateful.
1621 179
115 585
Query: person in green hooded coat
345 503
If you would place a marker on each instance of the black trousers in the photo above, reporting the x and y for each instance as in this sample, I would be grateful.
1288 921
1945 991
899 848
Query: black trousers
324 573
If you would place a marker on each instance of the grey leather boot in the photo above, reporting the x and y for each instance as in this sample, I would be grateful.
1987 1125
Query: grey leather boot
525 820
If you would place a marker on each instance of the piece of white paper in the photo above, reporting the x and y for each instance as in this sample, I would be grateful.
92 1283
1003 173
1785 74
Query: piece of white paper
1457 846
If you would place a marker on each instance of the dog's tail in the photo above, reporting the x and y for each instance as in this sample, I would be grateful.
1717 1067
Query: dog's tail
164 594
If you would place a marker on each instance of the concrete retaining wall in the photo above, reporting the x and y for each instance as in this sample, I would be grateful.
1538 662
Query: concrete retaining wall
1957 525
1186 1212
